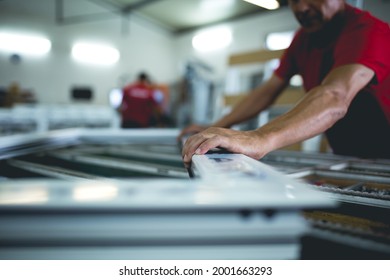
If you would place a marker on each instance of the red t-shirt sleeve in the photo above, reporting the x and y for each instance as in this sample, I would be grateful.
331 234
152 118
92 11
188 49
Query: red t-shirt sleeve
366 44
288 67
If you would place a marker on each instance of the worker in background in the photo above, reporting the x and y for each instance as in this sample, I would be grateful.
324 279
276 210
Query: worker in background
140 106
342 54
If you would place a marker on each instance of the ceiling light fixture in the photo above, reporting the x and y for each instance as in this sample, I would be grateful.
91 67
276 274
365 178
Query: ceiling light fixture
279 40
95 54
212 40
267 4
24 44
216 4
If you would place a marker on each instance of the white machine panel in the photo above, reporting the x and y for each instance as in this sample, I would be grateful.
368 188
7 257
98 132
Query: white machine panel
162 194
261 184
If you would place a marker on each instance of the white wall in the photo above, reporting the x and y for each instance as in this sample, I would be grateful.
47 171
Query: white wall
379 8
142 47
248 35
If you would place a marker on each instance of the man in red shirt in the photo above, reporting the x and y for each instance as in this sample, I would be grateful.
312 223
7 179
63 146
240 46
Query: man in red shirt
140 104
342 54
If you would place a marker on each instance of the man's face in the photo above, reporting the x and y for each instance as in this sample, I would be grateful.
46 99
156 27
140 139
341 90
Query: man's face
314 14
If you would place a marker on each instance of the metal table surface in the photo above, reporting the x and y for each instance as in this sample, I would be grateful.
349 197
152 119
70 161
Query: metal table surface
125 194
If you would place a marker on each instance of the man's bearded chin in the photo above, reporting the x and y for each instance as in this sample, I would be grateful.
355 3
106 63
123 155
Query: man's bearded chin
311 23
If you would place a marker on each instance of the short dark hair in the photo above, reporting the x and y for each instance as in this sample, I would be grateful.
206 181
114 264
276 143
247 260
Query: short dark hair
143 77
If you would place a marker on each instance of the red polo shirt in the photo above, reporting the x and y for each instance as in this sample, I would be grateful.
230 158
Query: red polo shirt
138 104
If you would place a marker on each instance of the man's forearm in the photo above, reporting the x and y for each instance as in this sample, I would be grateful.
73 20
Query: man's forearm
258 100
242 112
317 112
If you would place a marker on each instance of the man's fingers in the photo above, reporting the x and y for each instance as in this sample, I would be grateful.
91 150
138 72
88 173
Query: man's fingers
200 144
212 142
190 146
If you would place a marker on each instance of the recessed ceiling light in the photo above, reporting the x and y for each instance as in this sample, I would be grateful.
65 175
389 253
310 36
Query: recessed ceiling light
17 43
212 40
95 53
267 4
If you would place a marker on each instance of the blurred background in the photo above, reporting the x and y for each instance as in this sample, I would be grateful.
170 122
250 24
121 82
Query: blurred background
63 63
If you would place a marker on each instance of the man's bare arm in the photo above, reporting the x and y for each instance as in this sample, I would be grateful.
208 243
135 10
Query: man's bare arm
321 107
258 100
315 113
251 105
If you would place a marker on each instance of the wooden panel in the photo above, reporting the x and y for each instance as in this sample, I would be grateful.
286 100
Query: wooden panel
293 147
232 100
288 97
324 146
253 57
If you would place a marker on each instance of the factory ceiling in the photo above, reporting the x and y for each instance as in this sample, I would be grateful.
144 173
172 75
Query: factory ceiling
176 16
184 15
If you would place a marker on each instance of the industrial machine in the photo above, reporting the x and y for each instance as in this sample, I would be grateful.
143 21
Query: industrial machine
125 194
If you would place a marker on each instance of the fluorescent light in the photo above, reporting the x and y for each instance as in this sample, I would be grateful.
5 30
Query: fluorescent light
95 54
115 97
212 40
296 81
216 4
267 4
24 44
279 40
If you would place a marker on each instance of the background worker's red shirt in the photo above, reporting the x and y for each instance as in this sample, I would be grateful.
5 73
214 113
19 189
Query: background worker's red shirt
138 104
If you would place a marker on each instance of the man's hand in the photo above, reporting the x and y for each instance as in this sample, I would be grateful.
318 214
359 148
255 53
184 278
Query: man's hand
243 142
